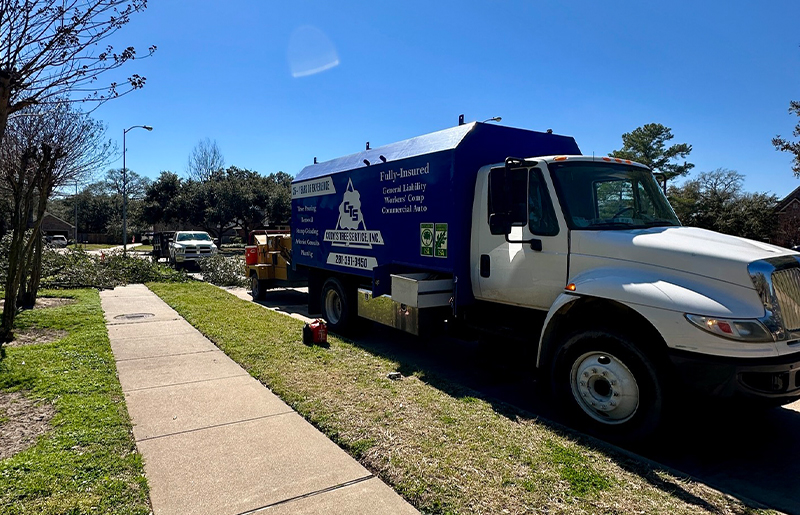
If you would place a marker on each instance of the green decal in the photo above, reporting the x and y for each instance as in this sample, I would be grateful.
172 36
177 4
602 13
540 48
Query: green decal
440 241
426 239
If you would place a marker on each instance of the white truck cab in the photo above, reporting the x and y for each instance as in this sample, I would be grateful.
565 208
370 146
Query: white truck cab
635 304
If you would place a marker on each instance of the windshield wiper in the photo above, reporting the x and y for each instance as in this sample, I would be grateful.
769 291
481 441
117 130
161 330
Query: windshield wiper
661 223
612 224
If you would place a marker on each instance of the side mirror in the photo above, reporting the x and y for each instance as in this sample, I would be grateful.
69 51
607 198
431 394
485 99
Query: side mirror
500 224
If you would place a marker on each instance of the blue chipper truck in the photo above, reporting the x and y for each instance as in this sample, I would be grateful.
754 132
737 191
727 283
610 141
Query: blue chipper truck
513 233
396 221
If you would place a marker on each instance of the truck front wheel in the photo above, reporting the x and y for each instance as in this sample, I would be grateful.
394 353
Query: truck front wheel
338 308
610 387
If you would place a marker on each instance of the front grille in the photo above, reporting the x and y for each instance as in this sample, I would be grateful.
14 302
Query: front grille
787 291
194 251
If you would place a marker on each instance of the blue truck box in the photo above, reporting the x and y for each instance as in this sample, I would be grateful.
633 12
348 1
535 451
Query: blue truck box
404 207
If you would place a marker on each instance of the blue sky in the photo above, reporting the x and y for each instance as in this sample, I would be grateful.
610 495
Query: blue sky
241 72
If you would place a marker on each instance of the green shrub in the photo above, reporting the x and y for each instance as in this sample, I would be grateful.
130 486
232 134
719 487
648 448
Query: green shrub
222 270
79 269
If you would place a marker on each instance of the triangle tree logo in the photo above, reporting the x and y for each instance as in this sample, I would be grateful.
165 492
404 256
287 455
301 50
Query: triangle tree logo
351 229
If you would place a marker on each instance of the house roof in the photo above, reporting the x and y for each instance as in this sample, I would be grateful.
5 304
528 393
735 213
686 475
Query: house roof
783 204
57 219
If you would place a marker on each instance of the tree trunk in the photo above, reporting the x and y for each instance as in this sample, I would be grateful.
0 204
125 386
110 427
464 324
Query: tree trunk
12 287
22 255
29 289
32 271
22 190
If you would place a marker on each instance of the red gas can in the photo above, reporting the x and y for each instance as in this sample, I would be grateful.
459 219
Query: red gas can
316 333
251 255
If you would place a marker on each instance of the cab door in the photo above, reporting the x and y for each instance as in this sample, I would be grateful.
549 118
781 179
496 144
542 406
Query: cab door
528 266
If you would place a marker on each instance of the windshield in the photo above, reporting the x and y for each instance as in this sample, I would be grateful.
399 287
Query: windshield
610 196
187 236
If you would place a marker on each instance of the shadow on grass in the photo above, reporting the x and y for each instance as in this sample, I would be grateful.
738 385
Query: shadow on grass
699 443
750 457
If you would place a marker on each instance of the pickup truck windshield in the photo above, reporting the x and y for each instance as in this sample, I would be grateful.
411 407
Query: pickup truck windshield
602 196
189 236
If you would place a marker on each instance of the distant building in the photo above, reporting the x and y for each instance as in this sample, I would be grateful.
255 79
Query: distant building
52 225
788 213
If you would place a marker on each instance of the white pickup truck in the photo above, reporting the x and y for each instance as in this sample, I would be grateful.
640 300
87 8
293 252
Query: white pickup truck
189 246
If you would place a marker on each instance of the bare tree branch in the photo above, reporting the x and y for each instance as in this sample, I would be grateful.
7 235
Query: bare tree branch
49 52
205 159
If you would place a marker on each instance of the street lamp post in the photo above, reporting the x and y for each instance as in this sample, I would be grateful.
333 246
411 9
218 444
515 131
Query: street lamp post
76 214
125 188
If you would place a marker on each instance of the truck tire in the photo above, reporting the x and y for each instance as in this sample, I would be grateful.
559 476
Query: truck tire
338 306
608 385
258 287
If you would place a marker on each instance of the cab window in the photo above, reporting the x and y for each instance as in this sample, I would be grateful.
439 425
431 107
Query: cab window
542 219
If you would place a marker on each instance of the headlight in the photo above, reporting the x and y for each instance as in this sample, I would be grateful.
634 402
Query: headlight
179 249
740 330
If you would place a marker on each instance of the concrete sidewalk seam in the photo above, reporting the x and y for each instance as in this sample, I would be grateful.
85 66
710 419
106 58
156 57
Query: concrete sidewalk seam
310 494
170 355
109 323
185 382
191 330
187 431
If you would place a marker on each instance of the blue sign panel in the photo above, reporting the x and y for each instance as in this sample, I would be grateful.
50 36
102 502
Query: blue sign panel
394 213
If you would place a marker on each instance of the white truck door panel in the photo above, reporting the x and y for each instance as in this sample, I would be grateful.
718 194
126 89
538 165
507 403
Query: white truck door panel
514 273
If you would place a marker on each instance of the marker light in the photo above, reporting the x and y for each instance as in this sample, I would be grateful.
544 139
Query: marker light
560 158
740 330
571 287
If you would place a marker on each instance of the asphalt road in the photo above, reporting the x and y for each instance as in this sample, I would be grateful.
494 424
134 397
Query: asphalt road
751 456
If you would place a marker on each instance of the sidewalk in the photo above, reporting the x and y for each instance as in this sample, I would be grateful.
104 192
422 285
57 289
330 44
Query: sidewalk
215 440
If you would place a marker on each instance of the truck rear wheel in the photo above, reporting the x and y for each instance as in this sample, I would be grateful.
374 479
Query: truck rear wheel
610 387
258 287
338 306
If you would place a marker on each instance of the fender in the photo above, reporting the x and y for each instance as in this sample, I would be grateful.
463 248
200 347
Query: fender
678 292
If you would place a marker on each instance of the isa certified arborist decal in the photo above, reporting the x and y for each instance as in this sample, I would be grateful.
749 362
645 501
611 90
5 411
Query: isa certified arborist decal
426 239
351 231
440 241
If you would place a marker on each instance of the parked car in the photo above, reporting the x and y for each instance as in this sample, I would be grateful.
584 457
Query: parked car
57 241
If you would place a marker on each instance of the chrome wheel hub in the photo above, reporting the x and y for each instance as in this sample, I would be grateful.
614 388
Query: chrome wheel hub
604 387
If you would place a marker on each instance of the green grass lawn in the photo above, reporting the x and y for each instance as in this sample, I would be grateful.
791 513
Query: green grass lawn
446 453
143 248
92 246
87 462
